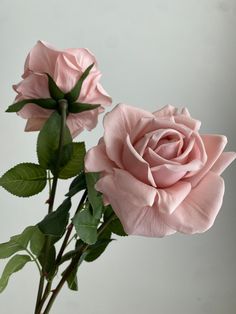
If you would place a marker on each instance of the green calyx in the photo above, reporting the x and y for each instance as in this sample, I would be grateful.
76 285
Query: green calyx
57 95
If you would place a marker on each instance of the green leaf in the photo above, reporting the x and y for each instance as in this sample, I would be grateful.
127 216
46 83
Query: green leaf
78 107
77 185
54 90
15 264
46 103
49 264
48 141
75 164
24 179
73 95
55 223
86 225
99 247
16 243
95 197
115 225
72 279
37 241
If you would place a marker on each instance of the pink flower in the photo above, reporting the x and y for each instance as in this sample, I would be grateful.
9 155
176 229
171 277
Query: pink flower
158 173
65 67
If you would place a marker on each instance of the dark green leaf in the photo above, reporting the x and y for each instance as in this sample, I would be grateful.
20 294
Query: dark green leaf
115 225
24 179
55 223
15 264
49 264
54 90
95 197
86 225
48 141
75 164
37 241
77 185
72 281
99 247
47 103
73 95
78 107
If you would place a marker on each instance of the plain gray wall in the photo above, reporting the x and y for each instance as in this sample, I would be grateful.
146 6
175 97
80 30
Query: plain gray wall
151 53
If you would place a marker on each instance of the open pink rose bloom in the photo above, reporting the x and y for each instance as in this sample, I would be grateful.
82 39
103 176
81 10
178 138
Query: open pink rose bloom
65 67
158 173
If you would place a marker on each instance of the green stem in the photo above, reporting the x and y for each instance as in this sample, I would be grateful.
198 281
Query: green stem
63 105
69 230
72 266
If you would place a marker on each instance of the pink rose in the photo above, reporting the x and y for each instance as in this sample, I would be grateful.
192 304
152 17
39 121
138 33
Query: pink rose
65 67
158 173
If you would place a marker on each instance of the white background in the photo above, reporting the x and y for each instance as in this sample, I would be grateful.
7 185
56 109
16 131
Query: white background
151 53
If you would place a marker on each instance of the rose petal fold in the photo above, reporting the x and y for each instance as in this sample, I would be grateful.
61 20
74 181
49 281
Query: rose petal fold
198 211
214 145
96 160
117 124
225 159
170 198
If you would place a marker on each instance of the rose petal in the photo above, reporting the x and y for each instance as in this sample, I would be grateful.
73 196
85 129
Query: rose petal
135 164
198 211
182 117
214 146
132 201
42 58
117 124
170 198
165 112
34 124
223 162
96 159
65 75
34 86
83 120
165 177
81 57
92 92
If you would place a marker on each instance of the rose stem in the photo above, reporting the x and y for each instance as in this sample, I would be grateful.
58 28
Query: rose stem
64 244
73 264
63 105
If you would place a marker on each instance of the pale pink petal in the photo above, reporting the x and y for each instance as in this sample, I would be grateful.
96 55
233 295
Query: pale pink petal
117 124
170 198
132 201
92 92
165 177
64 75
135 164
34 86
81 57
198 211
34 124
165 112
188 121
42 58
182 116
30 111
84 120
214 146
150 224
223 162
149 124
96 160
